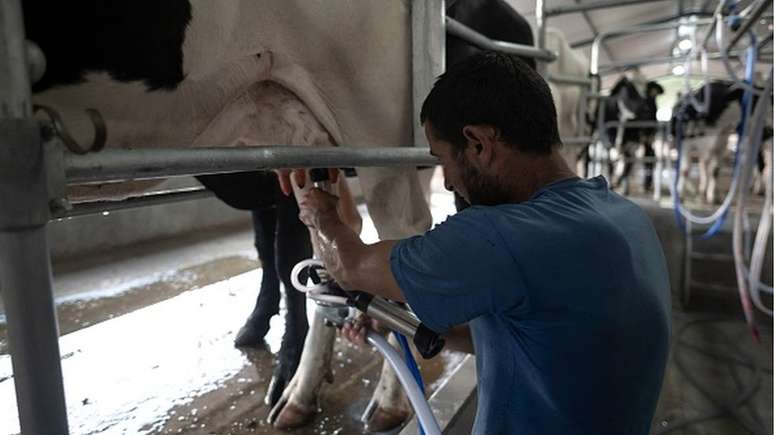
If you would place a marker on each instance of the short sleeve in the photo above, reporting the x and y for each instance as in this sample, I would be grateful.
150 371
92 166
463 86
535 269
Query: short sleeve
459 270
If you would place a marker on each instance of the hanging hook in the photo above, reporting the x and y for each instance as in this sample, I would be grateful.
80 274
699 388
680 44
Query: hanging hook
100 130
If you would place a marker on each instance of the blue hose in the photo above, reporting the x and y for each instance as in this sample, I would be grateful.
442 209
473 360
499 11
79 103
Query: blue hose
747 98
412 365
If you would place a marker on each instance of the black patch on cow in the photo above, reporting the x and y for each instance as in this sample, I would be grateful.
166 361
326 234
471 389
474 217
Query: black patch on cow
492 18
130 39
643 106
244 190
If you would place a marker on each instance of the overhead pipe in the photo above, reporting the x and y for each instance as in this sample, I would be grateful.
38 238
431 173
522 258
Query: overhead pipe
601 4
748 23
611 67
594 66
569 80
455 28
700 14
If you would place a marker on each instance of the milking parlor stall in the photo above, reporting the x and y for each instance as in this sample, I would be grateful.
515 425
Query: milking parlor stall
154 278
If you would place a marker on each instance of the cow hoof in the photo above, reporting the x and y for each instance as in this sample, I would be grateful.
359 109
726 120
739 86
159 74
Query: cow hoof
250 336
274 392
383 420
293 416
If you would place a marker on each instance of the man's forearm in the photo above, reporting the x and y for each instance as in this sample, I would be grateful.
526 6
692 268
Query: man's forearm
354 264
339 247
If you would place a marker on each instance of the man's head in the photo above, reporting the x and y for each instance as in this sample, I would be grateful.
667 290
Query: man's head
483 106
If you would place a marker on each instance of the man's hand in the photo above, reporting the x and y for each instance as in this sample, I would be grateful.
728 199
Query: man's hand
284 176
318 207
356 330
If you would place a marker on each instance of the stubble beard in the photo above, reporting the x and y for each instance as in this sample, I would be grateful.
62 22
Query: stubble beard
482 189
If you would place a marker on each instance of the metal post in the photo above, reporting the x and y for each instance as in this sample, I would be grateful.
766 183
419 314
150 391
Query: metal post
428 54
25 269
540 22
602 4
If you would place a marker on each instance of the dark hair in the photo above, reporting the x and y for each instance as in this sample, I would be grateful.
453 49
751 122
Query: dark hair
496 89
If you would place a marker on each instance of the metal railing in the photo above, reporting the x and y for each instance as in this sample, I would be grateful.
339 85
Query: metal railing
455 28
147 200
139 164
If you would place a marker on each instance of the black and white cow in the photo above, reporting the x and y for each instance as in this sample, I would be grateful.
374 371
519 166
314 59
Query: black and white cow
199 73
626 103
706 134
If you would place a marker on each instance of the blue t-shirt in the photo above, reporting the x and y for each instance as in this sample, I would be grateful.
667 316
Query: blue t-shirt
568 299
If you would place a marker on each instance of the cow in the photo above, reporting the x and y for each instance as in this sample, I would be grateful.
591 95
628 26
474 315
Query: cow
631 99
568 98
706 134
195 73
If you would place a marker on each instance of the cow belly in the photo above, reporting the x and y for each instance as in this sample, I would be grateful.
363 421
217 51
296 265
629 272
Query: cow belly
265 114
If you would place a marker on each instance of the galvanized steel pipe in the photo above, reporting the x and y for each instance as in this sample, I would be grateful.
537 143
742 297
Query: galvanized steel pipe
455 28
137 164
603 4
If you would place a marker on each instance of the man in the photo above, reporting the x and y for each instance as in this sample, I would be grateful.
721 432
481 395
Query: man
561 282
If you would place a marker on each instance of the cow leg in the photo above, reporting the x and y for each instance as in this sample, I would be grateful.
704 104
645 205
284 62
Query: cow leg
650 153
713 170
398 209
388 407
267 304
759 184
582 161
395 201
298 403
292 246
684 184
704 164
628 164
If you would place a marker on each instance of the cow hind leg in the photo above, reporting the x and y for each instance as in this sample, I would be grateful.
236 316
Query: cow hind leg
298 403
712 182
267 304
650 155
389 407
292 246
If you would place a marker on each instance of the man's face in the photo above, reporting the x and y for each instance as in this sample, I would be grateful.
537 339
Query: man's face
462 177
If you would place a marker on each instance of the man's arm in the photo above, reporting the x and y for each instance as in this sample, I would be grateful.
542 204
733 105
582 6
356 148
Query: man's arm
354 264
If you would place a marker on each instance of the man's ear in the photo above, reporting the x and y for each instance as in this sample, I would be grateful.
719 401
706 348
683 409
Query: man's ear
480 143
